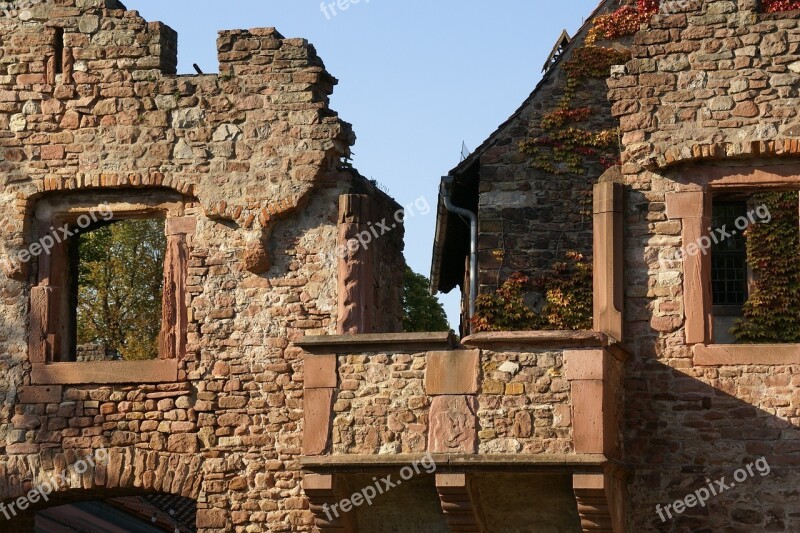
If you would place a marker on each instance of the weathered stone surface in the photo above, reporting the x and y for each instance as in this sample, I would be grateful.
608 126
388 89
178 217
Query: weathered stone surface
740 120
452 372
256 258
241 151
454 423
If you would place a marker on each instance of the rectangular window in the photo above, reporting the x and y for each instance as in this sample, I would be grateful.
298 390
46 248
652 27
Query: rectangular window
117 280
728 267
58 54
110 288
754 267
729 257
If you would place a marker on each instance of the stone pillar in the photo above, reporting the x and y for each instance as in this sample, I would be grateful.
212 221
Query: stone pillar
323 491
693 209
319 388
608 259
356 269
174 321
451 378
596 379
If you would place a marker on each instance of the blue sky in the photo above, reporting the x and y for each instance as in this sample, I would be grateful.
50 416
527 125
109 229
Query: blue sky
416 77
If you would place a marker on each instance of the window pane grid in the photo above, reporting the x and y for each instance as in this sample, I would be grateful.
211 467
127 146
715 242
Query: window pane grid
729 257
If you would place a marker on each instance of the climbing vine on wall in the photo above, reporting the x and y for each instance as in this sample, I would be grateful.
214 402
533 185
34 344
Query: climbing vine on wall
568 294
567 290
624 21
504 309
771 313
564 146
776 6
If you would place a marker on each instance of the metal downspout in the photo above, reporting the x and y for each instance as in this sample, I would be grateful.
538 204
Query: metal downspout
445 191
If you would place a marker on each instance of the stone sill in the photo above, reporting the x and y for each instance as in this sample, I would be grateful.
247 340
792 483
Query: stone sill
537 339
746 354
377 343
358 463
106 372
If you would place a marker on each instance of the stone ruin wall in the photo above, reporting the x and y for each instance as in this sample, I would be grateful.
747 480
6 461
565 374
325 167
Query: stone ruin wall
255 152
522 404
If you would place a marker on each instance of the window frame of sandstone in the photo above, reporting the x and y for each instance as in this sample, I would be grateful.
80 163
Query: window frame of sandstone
50 309
692 205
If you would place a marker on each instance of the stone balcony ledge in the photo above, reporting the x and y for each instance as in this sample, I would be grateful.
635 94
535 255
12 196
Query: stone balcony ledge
457 462
377 343
537 339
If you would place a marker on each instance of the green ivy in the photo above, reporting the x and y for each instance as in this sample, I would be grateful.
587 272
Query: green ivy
563 146
567 288
771 313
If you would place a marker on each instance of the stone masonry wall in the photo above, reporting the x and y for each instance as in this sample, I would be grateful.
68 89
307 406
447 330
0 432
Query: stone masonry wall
529 216
524 404
382 407
255 151
713 82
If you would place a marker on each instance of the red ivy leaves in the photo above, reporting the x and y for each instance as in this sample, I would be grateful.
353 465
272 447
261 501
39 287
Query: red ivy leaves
776 6
556 119
624 21
567 289
594 62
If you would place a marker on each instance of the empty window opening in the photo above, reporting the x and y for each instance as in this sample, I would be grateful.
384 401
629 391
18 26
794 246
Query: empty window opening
58 46
116 290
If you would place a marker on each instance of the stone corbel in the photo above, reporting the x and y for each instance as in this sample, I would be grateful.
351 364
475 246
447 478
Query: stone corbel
324 492
601 501
460 502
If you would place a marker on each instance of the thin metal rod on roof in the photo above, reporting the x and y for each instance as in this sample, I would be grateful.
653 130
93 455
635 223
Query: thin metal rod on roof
197 68
465 153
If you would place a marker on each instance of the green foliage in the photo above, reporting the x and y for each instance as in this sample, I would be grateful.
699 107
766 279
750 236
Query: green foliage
120 287
568 293
563 146
772 313
567 287
421 310
504 310
594 62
